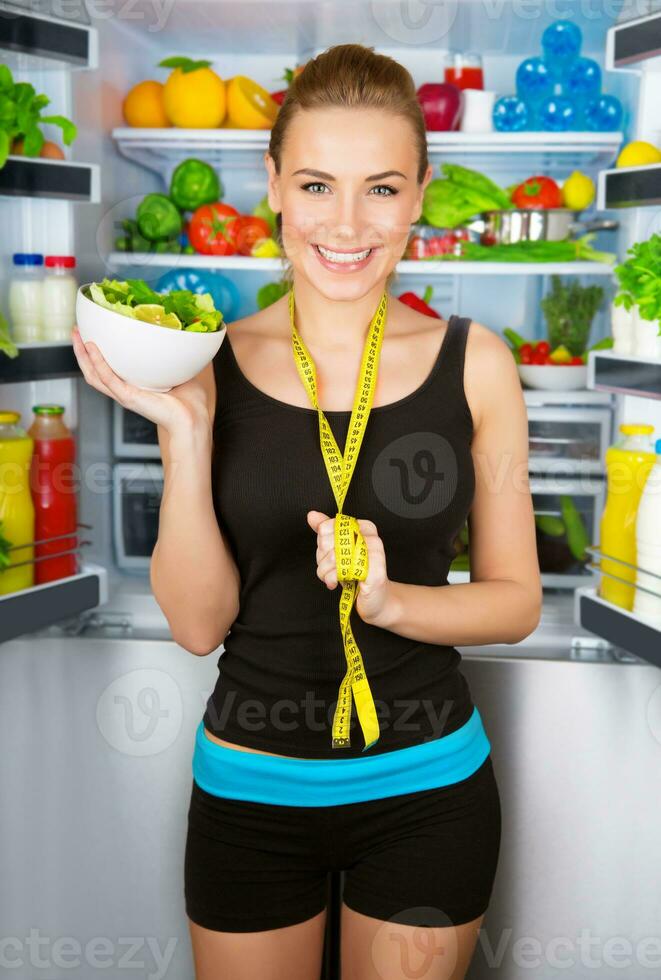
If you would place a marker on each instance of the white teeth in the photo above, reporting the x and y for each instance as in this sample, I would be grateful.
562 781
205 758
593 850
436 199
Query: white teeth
343 257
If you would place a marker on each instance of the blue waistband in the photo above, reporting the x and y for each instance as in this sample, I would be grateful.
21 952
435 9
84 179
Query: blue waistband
241 775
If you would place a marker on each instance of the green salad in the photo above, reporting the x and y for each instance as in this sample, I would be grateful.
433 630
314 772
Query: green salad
179 309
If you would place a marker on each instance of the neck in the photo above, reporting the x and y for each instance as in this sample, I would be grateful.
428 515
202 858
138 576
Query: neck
333 325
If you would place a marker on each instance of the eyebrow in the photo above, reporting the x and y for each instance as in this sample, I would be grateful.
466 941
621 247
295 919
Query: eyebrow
324 176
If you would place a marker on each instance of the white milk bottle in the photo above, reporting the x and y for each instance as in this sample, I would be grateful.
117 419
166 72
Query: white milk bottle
648 546
60 289
26 297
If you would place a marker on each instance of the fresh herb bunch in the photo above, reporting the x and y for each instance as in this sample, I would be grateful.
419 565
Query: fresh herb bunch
20 116
569 309
640 279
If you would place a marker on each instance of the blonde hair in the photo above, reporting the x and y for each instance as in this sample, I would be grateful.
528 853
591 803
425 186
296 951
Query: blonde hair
350 76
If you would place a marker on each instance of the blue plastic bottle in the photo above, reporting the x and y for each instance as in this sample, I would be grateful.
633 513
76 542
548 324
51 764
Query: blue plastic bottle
533 81
511 114
561 44
603 114
557 114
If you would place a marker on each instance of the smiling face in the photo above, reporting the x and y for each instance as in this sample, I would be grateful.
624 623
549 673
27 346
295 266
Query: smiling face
348 192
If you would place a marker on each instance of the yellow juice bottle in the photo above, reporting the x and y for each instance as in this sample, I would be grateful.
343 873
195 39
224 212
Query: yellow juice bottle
16 507
628 463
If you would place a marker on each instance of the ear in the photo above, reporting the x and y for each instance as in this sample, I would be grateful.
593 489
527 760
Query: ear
273 189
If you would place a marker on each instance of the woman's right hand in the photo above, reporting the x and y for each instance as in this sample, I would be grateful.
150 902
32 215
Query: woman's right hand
183 407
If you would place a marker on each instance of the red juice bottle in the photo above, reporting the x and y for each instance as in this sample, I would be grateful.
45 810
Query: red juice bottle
53 493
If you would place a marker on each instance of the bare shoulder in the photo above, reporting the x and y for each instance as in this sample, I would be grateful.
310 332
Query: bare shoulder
491 377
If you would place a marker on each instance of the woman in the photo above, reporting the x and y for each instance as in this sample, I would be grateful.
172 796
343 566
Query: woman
293 778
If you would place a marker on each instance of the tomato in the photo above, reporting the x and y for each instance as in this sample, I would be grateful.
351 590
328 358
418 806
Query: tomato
417 248
576 360
441 244
526 357
539 357
211 229
537 192
525 349
246 230
543 346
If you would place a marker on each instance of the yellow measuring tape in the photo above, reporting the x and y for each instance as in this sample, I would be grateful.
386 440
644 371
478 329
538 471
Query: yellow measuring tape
350 548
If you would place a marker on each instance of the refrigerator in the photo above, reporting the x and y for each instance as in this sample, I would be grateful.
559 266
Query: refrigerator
98 704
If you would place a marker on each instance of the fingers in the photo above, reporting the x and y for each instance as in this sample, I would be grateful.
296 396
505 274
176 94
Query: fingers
98 373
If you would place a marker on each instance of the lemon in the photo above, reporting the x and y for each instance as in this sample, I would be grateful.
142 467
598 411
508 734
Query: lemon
249 106
578 191
195 99
559 356
143 106
151 313
265 248
638 154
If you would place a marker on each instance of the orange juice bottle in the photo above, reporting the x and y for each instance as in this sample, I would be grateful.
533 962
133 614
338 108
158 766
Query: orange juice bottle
16 507
628 464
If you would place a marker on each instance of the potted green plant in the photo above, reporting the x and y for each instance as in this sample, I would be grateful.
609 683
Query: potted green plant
569 310
639 297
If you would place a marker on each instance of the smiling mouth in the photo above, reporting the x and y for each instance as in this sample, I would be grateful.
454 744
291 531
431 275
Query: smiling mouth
343 257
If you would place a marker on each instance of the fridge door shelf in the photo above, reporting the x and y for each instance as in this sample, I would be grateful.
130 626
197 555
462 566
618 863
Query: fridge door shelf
407 267
618 626
62 180
40 361
160 150
43 605
629 187
48 41
634 41
624 374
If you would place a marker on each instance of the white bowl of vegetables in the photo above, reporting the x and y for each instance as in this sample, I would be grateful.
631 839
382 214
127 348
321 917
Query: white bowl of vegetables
152 340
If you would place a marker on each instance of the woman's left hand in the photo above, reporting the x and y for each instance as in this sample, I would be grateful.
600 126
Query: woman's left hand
373 595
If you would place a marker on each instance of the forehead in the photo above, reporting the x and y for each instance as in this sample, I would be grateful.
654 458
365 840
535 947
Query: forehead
349 141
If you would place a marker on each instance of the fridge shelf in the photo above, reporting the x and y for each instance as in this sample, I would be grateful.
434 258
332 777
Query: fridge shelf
39 361
619 626
629 187
42 605
624 374
61 180
47 41
406 267
634 41
555 154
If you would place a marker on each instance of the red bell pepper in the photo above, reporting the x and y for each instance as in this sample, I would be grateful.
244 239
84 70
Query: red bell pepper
421 304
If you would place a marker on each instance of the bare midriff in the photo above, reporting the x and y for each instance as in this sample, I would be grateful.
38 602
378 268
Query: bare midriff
242 748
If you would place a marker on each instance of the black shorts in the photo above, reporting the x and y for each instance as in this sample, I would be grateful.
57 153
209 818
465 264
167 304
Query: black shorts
254 866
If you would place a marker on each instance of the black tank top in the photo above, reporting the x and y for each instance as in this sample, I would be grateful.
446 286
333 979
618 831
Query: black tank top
283 659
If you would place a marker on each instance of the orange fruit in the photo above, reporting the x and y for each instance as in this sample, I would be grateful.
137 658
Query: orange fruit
249 106
143 106
195 99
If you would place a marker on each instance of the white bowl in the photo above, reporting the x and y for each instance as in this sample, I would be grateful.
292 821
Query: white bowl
145 354
554 377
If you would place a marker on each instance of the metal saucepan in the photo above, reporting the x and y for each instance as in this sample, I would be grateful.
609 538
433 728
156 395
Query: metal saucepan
508 227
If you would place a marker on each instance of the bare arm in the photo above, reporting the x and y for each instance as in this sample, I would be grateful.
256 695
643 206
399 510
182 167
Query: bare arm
502 602
193 574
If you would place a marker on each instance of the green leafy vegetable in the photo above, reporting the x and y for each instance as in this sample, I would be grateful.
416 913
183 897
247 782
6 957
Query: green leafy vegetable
20 117
640 279
194 183
6 343
567 251
460 196
270 293
158 218
194 312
